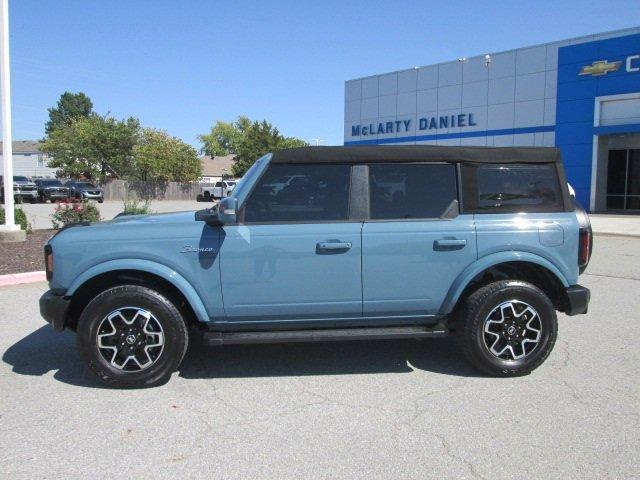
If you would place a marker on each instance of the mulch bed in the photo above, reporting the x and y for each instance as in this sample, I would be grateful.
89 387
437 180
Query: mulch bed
25 256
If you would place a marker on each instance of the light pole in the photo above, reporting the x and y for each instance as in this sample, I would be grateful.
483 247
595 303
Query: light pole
9 231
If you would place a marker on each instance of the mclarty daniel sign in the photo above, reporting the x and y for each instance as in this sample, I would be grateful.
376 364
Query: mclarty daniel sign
425 123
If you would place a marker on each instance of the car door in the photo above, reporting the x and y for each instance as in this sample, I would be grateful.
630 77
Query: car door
295 254
415 244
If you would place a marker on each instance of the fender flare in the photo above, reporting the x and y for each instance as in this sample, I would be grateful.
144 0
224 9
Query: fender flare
148 266
489 261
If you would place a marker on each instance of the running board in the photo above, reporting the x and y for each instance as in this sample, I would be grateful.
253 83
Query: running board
324 335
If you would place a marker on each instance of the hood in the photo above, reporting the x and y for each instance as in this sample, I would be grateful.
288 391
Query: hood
127 227
174 217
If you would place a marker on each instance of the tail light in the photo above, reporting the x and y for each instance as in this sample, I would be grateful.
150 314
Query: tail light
48 261
584 250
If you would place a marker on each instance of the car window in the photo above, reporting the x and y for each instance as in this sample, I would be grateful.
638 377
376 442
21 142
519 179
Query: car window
20 179
512 188
316 193
411 190
218 184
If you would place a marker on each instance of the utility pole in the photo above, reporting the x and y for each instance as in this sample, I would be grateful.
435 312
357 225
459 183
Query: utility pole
9 231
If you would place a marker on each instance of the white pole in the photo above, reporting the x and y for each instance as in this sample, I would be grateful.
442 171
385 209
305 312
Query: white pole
7 147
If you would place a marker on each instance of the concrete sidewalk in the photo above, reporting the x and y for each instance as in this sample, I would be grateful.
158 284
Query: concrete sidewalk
618 225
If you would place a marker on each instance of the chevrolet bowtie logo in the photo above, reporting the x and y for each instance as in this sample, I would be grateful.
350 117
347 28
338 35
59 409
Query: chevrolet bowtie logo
599 68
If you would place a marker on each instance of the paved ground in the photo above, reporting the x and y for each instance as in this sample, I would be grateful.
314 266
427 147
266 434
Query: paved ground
39 214
397 409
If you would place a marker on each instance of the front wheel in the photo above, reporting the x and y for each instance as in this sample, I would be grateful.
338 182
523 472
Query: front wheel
507 328
132 336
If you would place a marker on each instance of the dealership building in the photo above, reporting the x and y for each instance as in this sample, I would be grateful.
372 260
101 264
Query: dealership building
581 95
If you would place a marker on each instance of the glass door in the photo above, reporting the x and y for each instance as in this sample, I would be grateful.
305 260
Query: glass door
623 179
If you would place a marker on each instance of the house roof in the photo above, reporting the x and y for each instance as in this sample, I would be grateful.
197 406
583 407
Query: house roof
24 146
416 153
214 166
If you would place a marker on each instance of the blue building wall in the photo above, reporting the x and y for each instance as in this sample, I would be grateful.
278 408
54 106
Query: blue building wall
576 102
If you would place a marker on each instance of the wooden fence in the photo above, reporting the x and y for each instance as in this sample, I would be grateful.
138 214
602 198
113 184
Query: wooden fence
121 189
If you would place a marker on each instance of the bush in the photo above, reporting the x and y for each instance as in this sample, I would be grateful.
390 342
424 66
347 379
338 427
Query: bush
66 214
20 217
136 206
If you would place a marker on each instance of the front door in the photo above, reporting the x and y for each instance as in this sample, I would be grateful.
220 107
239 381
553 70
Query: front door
412 250
294 254
623 179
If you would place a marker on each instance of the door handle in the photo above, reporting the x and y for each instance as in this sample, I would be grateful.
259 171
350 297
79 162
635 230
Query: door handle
332 247
445 244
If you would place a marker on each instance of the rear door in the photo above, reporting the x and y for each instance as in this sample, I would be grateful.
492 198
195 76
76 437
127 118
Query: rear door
415 243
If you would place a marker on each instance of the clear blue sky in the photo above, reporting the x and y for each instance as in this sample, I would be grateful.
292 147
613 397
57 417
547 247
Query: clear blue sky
181 65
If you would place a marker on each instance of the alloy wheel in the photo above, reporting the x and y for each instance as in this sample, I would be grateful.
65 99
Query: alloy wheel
130 339
512 330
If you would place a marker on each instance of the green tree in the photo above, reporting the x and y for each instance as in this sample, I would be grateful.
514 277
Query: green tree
161 157
224 138
247 140
94 147
71 106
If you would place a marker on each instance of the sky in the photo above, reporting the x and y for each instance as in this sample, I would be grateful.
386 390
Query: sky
182 65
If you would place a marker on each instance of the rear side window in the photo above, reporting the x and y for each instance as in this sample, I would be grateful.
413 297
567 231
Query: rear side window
511 188
411 190
300 193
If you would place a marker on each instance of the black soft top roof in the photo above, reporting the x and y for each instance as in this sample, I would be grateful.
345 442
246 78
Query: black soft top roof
417 153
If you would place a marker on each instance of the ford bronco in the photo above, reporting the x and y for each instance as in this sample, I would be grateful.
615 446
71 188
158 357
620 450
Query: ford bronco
381 242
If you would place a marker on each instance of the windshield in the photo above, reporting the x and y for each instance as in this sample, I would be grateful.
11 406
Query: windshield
51 183
243 185
85 185
20 179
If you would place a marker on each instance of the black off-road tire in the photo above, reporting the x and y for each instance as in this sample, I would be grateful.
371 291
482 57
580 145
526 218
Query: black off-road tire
475 309
176 335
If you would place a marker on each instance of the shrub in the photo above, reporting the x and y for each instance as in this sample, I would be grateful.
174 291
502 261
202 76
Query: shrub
66 214
20 216
135 206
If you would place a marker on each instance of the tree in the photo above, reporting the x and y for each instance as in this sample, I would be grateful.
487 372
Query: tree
94 147
71 106
161 157
247 140
224 138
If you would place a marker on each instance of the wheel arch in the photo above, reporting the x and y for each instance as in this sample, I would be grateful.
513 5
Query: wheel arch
509 265
138 272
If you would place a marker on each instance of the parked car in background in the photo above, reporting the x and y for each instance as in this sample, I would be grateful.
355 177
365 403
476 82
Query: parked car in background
51 189
484 244
23 189
83 190
219 190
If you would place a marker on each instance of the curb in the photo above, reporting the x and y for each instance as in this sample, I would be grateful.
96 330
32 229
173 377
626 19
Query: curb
20 278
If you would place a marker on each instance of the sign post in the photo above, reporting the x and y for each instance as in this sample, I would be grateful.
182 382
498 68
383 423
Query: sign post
9 231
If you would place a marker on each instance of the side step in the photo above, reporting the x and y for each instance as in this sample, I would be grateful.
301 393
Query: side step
324 335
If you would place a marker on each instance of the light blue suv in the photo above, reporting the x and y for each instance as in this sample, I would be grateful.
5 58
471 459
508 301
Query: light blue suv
363 243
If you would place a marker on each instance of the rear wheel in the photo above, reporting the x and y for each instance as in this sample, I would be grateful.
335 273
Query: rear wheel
132 336
507 328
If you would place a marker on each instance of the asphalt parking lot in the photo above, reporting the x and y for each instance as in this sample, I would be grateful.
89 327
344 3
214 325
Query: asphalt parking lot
395 409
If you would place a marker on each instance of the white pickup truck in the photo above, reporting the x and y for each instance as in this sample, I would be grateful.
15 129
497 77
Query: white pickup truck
219 190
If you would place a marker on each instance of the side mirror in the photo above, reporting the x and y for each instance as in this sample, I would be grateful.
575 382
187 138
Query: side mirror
208 216
227 209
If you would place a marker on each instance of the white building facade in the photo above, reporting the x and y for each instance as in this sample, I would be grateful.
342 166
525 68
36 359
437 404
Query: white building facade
581 94
29 161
